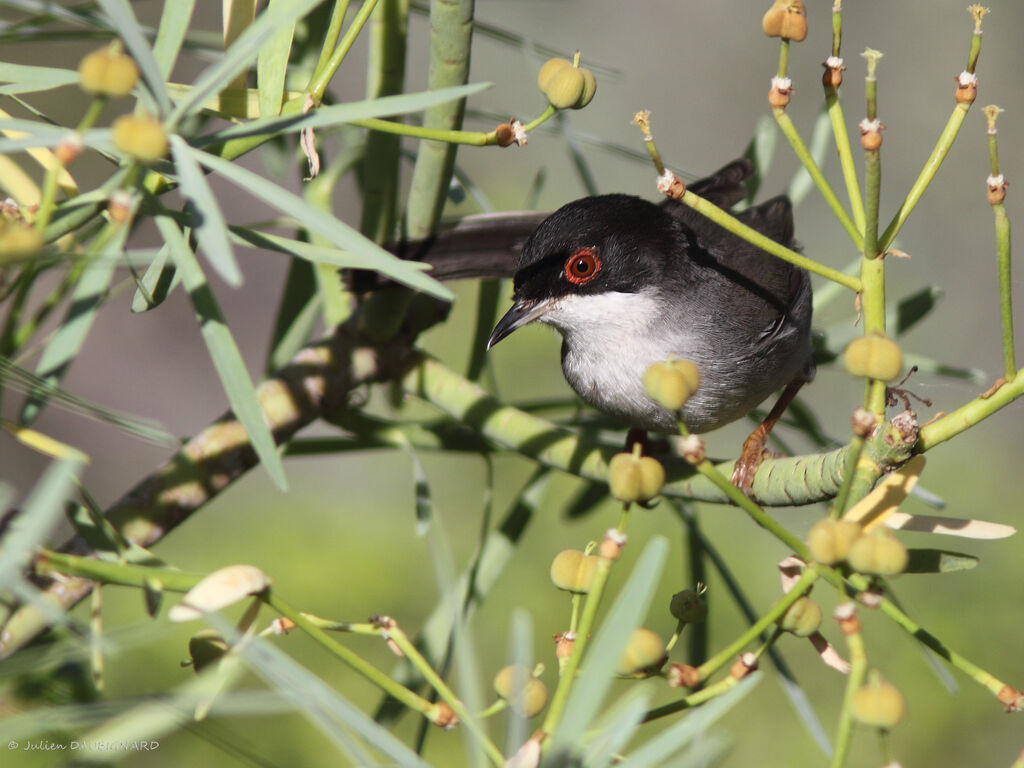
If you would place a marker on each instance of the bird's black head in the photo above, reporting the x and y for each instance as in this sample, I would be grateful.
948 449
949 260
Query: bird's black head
603 244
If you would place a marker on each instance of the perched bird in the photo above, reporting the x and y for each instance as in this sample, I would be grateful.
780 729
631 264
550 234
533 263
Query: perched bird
628 283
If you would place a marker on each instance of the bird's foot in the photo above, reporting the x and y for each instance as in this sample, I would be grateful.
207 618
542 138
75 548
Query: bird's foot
750 459
648 446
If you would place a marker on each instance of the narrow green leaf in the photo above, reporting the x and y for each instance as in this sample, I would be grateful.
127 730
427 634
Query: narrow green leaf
23 78
170 34
15 378
602 658
224 352
86 300
272 66
913 308
121 17
616 728
576 154
324 707
339 114
761 151
156 284
821 136
939 561
669 742
207 218
488 296
296 315
336 232
39 514
239 55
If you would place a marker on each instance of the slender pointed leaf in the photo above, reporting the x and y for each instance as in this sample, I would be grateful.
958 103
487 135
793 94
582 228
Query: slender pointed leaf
939 561
296 315
171 33
339 114
323 223
206 216
272 66
86 300
760 151
240 55
666 744
615 729
224 352
156 284
23 78
122 18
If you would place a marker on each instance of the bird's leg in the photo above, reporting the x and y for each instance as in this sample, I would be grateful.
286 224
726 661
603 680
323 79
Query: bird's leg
753 447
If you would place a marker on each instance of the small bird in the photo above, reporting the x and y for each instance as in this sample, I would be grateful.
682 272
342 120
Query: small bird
628 283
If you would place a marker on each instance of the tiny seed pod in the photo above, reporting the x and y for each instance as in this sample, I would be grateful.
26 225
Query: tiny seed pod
549 70
771 22
645 651
874 356
624 479
143 138
802 618
573 571
879 704
589 89
108 71
526 694
652 478
830 540
206 647
687 605
565 88
878 553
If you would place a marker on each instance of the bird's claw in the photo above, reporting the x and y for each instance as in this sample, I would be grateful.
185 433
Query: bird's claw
746 465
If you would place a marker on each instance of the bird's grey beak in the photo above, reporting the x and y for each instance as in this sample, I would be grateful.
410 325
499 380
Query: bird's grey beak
522 312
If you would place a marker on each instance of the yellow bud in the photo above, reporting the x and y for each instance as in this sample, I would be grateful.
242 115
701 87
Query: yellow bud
635 479
143 138
645 651
879 553
589 89
802 618
879 704
672 383
573 571
522 690
18 242
830 540
874 356
787 19
549 70
565 88
108 71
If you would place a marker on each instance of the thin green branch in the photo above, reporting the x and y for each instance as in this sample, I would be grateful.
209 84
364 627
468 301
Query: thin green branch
858 669
319 82
330 41
969 414
829 195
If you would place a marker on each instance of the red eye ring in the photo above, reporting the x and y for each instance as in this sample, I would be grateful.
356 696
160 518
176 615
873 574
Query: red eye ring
582 266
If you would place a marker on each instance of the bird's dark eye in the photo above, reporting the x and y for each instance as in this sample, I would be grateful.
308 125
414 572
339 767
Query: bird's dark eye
582 266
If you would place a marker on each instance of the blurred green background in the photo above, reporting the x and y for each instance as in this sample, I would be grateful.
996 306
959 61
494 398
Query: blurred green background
342 543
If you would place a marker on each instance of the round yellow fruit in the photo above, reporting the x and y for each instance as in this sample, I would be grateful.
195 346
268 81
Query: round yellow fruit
645 651
874 356
830 540
108 71
573 571
141 137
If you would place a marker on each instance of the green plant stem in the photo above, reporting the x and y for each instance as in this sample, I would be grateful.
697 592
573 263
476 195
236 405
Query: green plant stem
694 699
447 695
330 42
790 132
842 500
727 654
842 139
969 414
837 29
357 663
740 499
568 674
858 669
62 289
473 138
725 220
451 37
548 112
931 167
111 572
783 56
1005 288
319 82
